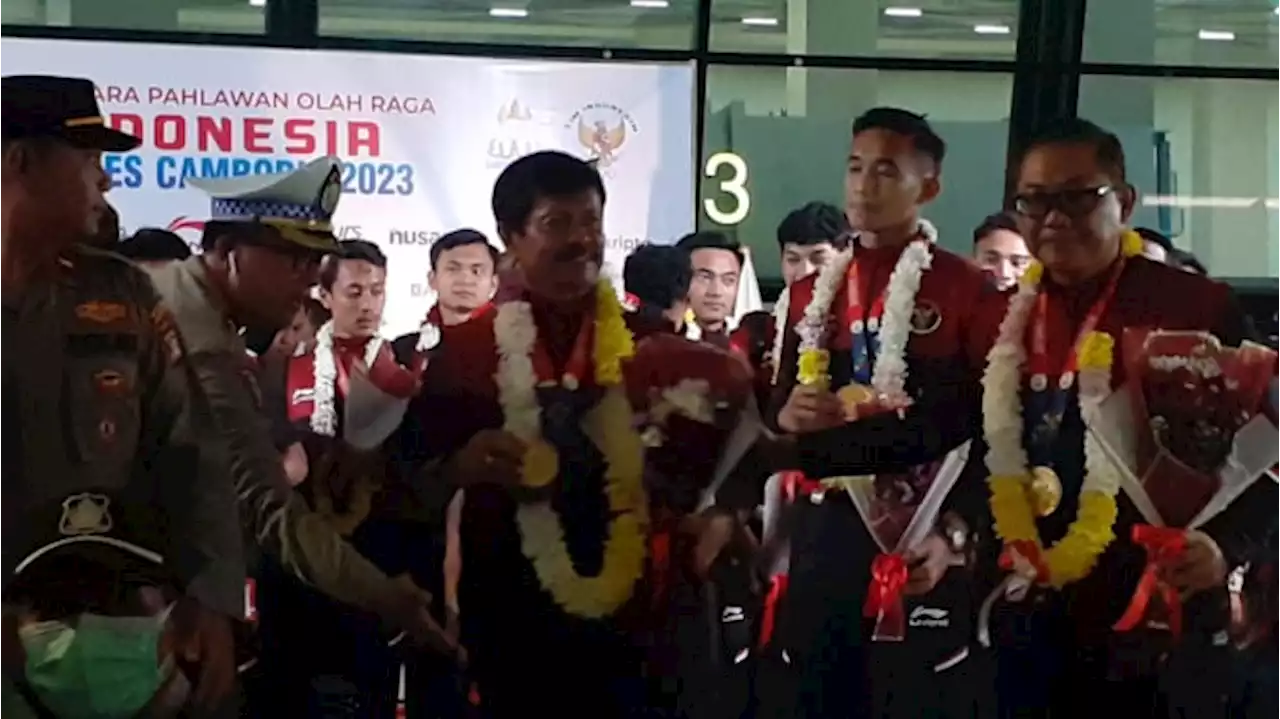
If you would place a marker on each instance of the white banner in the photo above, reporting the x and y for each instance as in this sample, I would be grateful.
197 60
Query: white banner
422 137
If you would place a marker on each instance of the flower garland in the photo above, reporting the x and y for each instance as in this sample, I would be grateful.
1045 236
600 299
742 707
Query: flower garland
781 313
324 421
692 330
889 375
324 413
609 426
1074 556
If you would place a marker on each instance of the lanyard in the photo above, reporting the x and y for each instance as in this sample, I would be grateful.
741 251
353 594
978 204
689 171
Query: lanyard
1045 406
1040 364
577 369
864 326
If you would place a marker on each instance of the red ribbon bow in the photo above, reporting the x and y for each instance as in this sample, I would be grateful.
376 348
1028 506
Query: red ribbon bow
796 485
884 597
1165 547
1029 551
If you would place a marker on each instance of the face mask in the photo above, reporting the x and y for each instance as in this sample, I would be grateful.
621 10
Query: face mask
102 668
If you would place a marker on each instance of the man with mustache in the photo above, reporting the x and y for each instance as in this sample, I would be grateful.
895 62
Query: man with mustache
1058 654
556 525
877 381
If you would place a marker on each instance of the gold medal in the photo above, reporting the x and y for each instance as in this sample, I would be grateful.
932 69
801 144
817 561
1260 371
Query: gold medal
541 465
854 396
1046 491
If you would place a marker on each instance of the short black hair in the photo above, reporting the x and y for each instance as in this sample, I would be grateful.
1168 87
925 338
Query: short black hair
362 250
462 238
906 123
1187 261
152 244
317 313
813 224
1149 235
1107 148
995 221
549 173
658 275
711 240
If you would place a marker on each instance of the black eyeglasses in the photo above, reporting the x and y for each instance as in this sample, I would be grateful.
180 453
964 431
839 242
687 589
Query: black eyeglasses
1072 203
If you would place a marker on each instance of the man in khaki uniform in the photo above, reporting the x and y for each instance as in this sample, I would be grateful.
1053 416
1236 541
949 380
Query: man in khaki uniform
261 252
116 525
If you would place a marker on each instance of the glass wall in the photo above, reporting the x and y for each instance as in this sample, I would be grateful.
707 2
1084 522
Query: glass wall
649 24
957 29
1223 33
1202 147
776 138
217 16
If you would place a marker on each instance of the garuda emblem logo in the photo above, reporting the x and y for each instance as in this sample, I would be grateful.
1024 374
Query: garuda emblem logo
602 130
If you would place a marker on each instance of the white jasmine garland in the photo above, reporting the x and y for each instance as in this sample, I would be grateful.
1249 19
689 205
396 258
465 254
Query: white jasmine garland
889 373
541 533
324 413
692 330
781 313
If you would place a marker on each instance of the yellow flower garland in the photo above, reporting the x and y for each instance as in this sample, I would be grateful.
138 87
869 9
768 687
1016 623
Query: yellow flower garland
813 367
1012 506
609 426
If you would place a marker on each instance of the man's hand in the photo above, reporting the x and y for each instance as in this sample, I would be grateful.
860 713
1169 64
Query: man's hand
492 456
203 641
928 561
408 607
295 464
714 530
1202 565
810 409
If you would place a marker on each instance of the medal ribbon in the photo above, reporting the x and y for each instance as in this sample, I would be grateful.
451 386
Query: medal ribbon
1045 402
578 365
864 326
1165 547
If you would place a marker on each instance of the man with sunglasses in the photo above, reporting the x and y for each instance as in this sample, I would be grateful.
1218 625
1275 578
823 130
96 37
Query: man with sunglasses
1058 654
261 252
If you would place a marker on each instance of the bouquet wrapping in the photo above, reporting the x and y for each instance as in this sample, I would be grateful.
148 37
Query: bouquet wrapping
898 509
1190 432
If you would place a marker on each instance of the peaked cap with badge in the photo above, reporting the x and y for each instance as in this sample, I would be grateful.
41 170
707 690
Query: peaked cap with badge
110 528
65 108
299 204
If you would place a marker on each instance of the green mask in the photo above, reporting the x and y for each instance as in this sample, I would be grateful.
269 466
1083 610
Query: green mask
101 668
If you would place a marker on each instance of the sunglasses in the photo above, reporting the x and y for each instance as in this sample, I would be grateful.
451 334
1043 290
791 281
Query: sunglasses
1074 203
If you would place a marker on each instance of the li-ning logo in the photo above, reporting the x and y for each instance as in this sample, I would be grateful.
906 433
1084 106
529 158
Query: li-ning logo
929 617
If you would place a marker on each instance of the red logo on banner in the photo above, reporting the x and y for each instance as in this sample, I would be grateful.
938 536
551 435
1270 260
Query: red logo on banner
178 224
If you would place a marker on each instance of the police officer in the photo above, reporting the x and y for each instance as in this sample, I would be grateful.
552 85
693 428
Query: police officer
261 251
101 415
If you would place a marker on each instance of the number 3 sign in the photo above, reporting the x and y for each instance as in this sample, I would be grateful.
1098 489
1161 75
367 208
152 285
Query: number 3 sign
735 186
